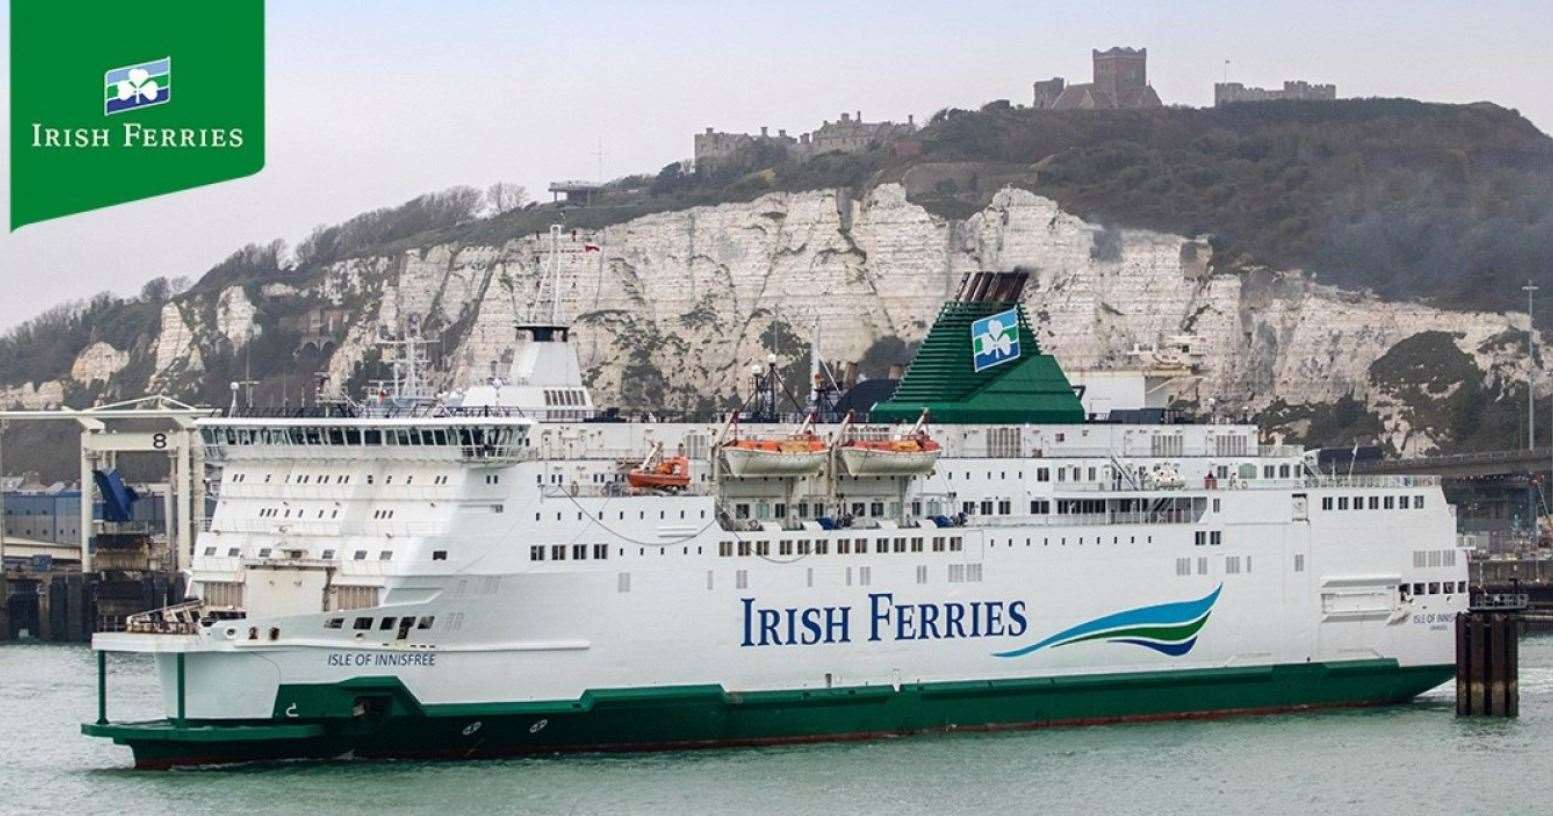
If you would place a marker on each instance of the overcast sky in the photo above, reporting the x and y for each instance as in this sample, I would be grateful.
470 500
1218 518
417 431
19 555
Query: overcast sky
372 103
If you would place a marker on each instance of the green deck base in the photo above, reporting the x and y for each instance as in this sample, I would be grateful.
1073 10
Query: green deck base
707 716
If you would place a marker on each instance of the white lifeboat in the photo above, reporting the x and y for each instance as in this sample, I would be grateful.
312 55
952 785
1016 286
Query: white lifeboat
798 455
915 454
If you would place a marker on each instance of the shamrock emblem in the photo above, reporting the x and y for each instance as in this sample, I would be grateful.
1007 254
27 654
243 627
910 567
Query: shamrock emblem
997 341
139 83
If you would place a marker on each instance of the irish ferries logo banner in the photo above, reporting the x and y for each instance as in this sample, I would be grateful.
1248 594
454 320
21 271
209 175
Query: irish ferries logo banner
93 118
995 339
139 86
1168 628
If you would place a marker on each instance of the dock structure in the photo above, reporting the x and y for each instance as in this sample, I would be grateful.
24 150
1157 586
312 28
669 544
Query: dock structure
1488 656
119 564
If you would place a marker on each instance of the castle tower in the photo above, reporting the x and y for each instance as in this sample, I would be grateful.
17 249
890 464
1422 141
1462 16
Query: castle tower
1121 72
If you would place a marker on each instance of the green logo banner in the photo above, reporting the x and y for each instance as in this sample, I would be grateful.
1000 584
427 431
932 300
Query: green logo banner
106 109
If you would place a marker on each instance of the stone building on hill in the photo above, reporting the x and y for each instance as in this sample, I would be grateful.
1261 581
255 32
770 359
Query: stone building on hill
1121 80
849 134
1225 93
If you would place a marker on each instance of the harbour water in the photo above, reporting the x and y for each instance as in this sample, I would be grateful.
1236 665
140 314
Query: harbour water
1417 758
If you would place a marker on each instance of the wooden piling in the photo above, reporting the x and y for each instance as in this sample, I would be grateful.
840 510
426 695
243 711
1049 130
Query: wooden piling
1488 657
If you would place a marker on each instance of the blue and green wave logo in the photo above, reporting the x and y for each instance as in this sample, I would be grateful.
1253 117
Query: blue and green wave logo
1169 628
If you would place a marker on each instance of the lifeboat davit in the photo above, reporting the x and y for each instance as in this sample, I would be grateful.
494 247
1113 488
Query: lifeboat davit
911 455
672 473
798 455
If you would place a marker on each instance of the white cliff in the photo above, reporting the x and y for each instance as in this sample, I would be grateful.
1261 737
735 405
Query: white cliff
691 295
235 317
98 362
670 309
176 349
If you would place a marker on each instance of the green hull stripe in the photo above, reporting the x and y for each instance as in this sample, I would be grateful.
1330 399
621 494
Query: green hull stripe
391 722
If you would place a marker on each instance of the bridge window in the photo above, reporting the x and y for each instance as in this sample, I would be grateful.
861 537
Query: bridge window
362 624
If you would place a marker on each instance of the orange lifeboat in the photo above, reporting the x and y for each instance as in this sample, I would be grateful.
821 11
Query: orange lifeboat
672 473
913 454
801 454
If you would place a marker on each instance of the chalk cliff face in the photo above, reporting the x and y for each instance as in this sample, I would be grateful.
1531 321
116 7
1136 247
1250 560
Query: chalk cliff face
669 310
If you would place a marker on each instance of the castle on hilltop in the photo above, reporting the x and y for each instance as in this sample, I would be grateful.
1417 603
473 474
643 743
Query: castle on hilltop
1121 80
1225 93
849 134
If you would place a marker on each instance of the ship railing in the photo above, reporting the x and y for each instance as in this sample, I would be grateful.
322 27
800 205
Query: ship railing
495 455
335 527
1502 601
1183 516
610 490
178 619
1312 482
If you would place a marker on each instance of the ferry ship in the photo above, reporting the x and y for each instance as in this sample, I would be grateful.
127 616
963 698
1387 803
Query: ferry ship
509 570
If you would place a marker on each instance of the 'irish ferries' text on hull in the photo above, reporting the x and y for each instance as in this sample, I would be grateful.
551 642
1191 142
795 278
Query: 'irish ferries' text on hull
502 573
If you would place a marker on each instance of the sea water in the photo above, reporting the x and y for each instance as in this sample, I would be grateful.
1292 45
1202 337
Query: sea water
1409 759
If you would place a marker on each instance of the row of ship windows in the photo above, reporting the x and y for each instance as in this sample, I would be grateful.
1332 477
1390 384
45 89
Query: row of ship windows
1062 541
276 512
1076 473
1375 502
956 574
641 514
579 552
934 507
1430 588
339 479
326 555
404 624
461 436
844 546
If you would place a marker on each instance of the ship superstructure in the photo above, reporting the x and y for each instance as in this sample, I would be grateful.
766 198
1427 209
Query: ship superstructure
499 573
